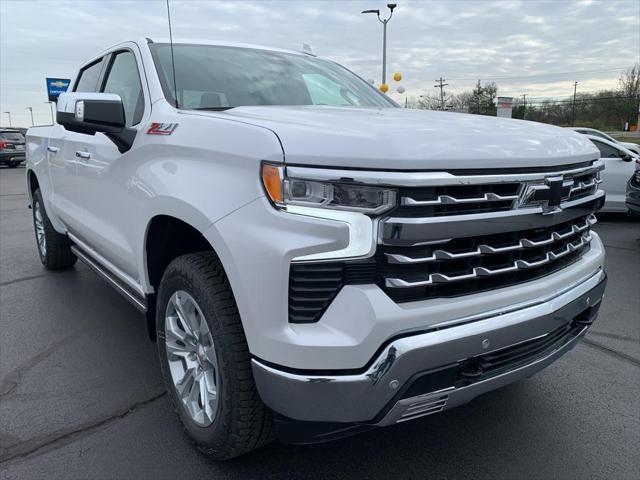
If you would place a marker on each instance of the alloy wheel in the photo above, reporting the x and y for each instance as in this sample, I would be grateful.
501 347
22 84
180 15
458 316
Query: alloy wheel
192 358
39 224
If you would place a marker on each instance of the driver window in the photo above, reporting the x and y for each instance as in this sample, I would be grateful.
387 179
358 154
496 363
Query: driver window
324 91
124 80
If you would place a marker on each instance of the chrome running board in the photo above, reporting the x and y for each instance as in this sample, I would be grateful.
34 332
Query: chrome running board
133 297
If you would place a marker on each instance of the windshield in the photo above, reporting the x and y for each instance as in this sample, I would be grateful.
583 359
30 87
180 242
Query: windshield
217 77
12 137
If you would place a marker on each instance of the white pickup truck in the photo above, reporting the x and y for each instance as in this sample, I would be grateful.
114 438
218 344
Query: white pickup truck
313 260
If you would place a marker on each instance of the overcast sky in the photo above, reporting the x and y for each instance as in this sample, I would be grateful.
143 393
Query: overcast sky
533 47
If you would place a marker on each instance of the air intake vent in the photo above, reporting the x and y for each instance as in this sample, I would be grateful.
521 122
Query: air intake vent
313 286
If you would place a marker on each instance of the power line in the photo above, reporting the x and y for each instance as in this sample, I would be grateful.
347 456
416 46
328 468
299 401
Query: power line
581 100
493 77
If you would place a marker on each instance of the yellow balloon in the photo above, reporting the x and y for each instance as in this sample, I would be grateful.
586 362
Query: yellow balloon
384 88
397 76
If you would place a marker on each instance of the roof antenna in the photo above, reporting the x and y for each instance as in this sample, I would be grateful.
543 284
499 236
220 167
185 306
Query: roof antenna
173 64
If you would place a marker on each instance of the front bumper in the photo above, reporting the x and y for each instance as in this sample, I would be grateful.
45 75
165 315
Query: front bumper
425 373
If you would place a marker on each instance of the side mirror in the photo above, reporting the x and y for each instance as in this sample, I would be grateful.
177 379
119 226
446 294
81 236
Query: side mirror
91 113
627 158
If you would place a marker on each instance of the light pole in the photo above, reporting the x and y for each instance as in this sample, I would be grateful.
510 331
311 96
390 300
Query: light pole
9 113
31 112
53 122
524 109
384 22
573 106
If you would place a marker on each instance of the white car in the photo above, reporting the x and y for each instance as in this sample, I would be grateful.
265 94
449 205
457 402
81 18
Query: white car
619 166
634 147
313 260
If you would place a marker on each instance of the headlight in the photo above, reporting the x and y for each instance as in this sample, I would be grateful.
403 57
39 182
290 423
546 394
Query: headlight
284 191
352 204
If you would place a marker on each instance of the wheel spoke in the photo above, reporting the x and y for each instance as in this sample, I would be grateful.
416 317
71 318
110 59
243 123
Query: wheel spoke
210 355
206 398
186 317
185 385
175 333
174 350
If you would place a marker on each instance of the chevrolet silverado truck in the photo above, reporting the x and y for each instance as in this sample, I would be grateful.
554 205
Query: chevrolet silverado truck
313 260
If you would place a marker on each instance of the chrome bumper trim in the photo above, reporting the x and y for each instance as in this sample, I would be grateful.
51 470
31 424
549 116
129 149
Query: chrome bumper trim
360 397
423 405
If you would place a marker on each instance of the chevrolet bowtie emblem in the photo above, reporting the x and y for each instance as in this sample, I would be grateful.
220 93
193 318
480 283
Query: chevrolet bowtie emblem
549 195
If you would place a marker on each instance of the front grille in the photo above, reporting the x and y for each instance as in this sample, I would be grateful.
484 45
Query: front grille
457 199
483 198
458 267
474 264
459 233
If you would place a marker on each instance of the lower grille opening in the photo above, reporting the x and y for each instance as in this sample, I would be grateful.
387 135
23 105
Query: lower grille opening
485 366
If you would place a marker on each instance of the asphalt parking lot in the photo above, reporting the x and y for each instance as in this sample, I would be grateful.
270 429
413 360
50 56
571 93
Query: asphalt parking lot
81 394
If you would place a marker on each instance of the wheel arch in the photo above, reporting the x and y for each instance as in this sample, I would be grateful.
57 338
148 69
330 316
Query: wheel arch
166 238
32 183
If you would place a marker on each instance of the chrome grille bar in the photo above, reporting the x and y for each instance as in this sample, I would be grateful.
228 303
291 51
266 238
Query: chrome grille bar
488 249
585 186
426 179
436 278
450 200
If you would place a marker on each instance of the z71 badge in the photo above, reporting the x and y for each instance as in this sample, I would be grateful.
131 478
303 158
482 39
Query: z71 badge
161 128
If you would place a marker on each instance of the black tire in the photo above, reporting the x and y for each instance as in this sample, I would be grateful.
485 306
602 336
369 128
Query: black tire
242 422
57 253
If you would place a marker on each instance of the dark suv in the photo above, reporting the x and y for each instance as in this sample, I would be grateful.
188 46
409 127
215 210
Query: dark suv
11 147
633 192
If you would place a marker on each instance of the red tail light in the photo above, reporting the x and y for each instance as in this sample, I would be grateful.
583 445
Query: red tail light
3 145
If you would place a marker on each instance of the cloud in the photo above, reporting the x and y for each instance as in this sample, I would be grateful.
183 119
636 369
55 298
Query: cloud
538 42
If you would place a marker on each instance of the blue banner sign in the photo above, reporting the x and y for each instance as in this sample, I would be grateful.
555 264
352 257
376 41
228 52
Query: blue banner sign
56 86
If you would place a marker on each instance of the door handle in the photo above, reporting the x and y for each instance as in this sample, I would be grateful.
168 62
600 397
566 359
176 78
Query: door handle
53 149
84 155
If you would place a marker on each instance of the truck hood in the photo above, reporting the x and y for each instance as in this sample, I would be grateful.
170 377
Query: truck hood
397 138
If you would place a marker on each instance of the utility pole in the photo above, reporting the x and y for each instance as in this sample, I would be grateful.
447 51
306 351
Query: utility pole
441 86
524 111
31 112
573 106
384 22
9 113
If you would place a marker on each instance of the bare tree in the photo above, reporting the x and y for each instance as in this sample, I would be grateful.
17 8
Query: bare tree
629 90
429 102
629 82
